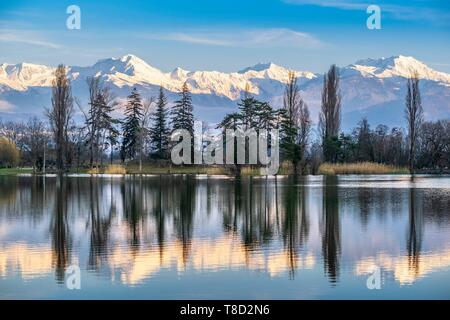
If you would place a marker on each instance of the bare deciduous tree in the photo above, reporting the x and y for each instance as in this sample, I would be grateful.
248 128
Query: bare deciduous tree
295 123
36 141
330 116
60 114
304 134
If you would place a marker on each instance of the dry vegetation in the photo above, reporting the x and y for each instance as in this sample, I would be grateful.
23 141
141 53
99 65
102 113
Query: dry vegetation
115 169
359 168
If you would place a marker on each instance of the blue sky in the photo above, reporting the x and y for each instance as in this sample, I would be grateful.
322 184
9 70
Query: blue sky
225 35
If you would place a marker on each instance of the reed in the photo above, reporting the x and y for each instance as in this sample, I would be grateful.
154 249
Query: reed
115 169
360 168
93 171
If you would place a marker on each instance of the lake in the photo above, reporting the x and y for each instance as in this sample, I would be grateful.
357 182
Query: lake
216 237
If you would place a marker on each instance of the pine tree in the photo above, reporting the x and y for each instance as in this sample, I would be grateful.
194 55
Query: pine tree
182 111
289 133
159 133
108 123
247 109
265 116
131 126
100 126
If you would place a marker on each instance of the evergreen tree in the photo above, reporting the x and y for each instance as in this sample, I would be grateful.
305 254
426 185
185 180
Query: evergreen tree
247 109
159 133
364 139
108 123
99 123
230 121
131 126
265 116
182 111
288 141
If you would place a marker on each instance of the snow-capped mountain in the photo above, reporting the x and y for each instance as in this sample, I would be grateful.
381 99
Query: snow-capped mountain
373 87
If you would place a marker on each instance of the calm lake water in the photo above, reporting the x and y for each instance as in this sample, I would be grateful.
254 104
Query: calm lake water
199 237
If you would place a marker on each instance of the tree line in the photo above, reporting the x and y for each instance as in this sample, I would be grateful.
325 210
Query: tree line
143 133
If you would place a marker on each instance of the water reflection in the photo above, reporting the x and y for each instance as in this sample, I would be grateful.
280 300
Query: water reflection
137 228
415 230
331 230
61 239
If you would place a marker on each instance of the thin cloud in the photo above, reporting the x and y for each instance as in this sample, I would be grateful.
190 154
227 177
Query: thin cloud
189 38
26 37
273 37
397 11
344 5
5 106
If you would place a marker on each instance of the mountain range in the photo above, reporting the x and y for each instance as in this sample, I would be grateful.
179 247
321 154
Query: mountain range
372 88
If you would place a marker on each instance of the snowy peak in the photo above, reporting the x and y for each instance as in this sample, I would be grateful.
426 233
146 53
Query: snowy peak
398 66
263 78
370 87
273 71
260 67
179 74
128 64
19 76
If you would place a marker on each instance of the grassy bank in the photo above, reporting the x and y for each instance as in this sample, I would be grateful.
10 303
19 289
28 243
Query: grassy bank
156 169
285 168
150 168
360 168
14 171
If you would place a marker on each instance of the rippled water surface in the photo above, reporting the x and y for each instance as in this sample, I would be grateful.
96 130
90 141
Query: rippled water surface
189 237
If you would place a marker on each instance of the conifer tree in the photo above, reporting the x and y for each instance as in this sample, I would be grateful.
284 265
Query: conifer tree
131 126
182 111
247 109
159 133
107 122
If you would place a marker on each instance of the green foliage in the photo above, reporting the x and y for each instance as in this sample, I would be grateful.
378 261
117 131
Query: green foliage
9 154
182 111
131 126
159 133
331 148
289 133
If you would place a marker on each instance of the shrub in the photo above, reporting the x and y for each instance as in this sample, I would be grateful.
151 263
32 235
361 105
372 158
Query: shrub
9 154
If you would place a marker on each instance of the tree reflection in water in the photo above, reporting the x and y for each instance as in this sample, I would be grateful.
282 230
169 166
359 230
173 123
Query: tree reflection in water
261 223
